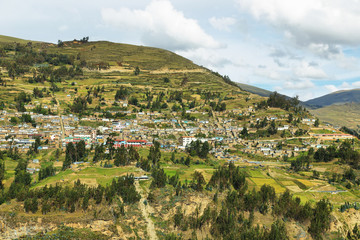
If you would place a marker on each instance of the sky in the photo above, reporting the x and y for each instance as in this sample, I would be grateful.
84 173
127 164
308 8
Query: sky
296 47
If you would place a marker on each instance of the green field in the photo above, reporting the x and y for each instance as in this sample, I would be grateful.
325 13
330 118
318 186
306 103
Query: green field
261 181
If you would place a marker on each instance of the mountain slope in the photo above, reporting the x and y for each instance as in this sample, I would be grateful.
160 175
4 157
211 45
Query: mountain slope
148 58
7 39
347 114
339 97
106 64
255 90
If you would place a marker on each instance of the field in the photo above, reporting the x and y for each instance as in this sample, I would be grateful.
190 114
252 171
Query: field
334 114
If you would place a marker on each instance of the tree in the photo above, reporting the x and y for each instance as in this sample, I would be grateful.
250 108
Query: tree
244 132
34 205
173 157
204 150
60 43
290 118
320 221
154 154
46 172
133 101
317 122
272 129
2 173
79 105
187 161
137 71
70 155
122 93
159 178
80 150
121 157
278 231
178 217
198 181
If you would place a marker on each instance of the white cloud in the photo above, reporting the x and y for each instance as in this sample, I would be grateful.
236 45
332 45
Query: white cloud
321 26
160 25
331 88
269 74
306 70
207 57
222 24
298 85
343 86
356 84
321 21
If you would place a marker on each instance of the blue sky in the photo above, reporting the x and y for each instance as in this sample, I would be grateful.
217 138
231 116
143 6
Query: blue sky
296 47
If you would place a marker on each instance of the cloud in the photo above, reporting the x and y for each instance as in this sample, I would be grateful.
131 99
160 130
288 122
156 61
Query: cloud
207 58
325 50
321 26
280 64
306 70
321 21
298 85
160 25
269 74
222 24
331 88
278 53
343 86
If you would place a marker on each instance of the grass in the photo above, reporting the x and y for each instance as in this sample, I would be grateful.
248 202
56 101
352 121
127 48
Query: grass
257 174
334 114
261 181
300 184
305 182
7 39
89 175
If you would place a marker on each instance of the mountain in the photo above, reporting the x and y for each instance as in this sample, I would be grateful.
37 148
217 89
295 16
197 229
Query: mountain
83 122
341 108
339 115
7 39
255 90
339 97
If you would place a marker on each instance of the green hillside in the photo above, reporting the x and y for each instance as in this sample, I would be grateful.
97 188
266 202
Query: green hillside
101 64
347 114
7 39
255 90
116 54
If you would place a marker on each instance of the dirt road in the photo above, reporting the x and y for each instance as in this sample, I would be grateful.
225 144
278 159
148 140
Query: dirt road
146 211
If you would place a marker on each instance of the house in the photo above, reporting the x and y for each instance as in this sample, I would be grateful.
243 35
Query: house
185 140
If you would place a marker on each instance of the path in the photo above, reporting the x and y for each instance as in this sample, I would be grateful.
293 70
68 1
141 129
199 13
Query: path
146 210
61 126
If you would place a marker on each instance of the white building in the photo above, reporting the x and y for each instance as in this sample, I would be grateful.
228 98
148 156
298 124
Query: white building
185 140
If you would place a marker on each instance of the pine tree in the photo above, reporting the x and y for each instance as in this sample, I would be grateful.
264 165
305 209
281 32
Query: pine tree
2 173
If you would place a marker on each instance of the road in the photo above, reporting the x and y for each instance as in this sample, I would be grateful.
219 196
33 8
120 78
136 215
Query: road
146 210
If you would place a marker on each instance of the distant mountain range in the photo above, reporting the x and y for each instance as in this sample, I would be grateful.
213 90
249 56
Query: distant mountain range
339 97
